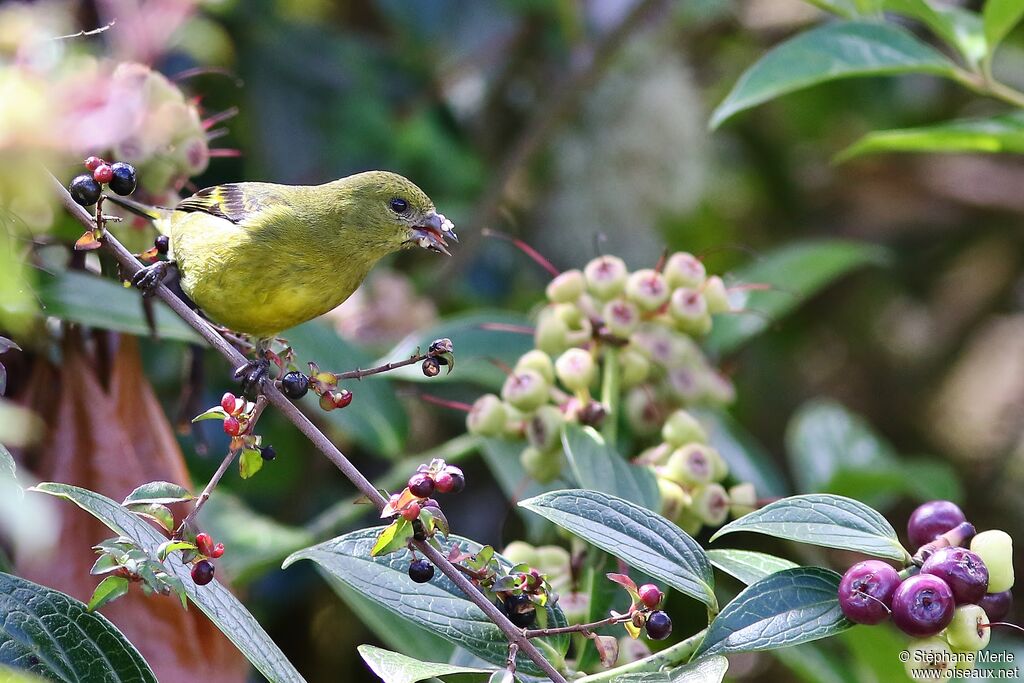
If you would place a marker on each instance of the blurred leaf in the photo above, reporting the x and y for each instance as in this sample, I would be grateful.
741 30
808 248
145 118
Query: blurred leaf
747 459
1000 16
438 604
474 344
249 463
502 458
746 565
215 601
843 8
598 467
158 492
789 607
998 134
825 520
931 479
375 418
8 675
392 667
108 590
104 304
960 28
8 469
814 665
841 49
640 538
706 670
873 650
52 634
794 273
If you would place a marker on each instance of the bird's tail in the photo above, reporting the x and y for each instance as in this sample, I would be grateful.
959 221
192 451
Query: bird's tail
159 216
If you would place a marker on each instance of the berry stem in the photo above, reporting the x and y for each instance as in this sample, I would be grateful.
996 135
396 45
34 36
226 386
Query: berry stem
291 411
525 248
359 373
445 403
585 629
507 327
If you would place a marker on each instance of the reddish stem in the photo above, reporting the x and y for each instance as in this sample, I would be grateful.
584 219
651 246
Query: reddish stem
446 403
525 248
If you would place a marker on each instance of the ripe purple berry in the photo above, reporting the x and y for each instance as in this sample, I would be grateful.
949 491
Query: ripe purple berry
922 605
450 480
865 593
421 485
996 605
202 572
421 571
964 572
932 519
659 625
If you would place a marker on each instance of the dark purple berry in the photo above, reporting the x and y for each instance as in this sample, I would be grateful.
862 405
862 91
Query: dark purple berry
421 571
450 480
268 453
520 610
421 485
931 520
431 367
964 572
123 179
996 605
294 385
865 593
84 190
202 572
922 605
659 625
162 244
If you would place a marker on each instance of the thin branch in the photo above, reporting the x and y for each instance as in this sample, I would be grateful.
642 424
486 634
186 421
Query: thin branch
585 629
274 396
387 367
83 34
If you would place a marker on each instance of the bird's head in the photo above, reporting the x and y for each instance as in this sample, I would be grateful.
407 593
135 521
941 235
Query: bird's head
395 214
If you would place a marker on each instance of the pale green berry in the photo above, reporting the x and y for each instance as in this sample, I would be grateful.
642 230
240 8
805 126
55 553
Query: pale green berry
552 559
719 467
576 369
544 427
718 389
673 498
579 329
634 367
487 416
686 382
621 317
539 361
689 465
995 548
566 287
515 422
969 630
642 411
689 522
520 552
606 276
929 659
647 289
684 270
571 314
716 295
575 606
526 390
542 466
581 334
689 311
551 335
666 347
682 428
742 499
711 504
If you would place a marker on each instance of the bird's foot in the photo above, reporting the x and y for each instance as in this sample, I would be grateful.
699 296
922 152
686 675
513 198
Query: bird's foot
150 277
252 376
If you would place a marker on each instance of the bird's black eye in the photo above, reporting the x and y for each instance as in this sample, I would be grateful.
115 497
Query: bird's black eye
399 205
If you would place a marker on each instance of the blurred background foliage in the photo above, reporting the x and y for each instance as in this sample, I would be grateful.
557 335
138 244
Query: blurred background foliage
580 127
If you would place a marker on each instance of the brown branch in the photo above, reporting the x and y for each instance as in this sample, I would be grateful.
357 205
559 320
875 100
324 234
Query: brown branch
585 629
274 396
387 367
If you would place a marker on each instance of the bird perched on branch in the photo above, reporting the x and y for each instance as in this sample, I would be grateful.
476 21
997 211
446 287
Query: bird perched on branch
259 258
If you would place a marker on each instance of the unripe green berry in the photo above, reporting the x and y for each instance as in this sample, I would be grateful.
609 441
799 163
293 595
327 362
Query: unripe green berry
642 411
969 630
551 333
686 382
689 465
742 499
634 367
536 359
995 548
544 427
689 311
487 416
606 276
666 347
673 498
541 466
929 654
553 560
621 317
711 504
647 289
525 390
571 314
579 329
682 428
575 607
520 552
689 522
683 269
515 422
716 295
576 369
719 467
566 287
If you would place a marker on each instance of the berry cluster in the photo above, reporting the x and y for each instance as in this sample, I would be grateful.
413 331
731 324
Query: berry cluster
962 584
203 569
607 327
86 189
643 612
409 504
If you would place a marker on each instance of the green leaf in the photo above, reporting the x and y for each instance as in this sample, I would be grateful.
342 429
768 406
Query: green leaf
215 601
437 605
393 538
375 418
599 467
104 304
786 608
825 520
104 563
748 460
108 590
8 675
994 135
843 8
249 462
1000 16
215 413
392 667
502 458
156 512
53 635
168 547
794 273
476 345
706 670
640 538
841 49
960 28
162 492
746 565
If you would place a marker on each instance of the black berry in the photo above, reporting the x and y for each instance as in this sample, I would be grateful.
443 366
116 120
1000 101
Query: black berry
84 190
659 625
202 572
933 519
123 180
294 385
268 453
963 570
421 485
162 244
996 605
865 593
431 367
922 605
421 571
520 610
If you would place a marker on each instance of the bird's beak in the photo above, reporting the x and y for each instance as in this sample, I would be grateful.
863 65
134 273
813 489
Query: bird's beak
431 233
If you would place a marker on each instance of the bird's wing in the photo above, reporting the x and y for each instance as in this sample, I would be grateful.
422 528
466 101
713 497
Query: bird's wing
236 202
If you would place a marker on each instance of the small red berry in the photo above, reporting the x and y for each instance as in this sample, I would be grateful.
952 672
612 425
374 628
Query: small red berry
217 551
204 543
342 398
450 480
228 402
92 163
102 173
232 427
202 572
411 512
443 482
650 595
421 485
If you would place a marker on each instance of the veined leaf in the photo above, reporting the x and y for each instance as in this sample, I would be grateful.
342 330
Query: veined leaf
393 667
162 492
746 565
994 135
598 467
108 590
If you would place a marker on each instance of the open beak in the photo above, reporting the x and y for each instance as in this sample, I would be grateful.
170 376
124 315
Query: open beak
431 233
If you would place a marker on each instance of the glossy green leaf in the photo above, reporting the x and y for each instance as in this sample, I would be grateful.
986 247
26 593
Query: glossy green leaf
108 590
786 608
392 538
51 634
746 565
8 675
502 458
1000 16
162 492
642 539
748 460
215 601
995 135
707 670
825 520
841 49
393 667
437 605
160 514
960 28
599 467
249 463
793 274
214 413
